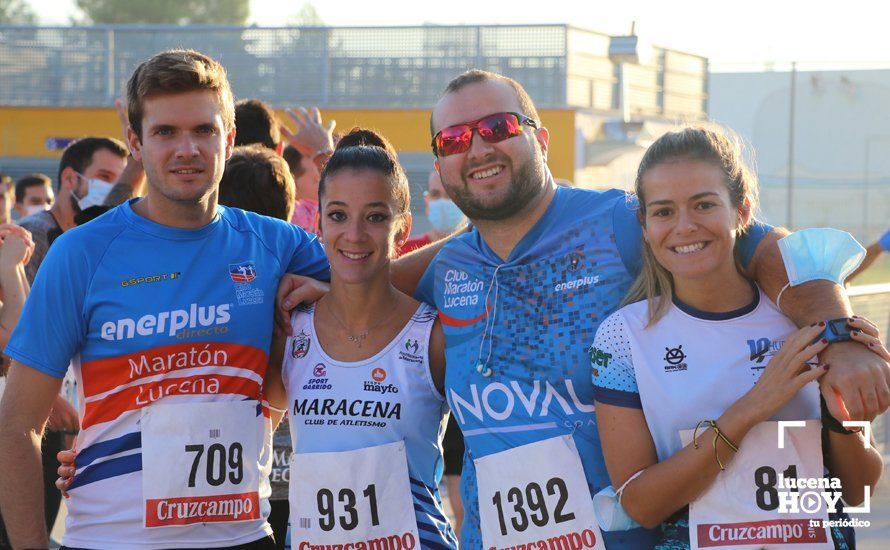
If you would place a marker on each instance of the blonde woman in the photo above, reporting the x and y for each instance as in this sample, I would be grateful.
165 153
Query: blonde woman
690 381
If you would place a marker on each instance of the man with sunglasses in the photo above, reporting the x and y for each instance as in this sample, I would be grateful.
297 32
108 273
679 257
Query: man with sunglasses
521 296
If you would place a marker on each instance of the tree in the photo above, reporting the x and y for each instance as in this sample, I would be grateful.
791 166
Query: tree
180 12
307 17
16 12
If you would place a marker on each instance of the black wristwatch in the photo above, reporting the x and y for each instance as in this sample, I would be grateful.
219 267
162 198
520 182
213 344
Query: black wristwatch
837 330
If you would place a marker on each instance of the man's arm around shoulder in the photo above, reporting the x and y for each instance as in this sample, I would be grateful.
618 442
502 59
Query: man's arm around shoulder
25 406
407 270
860 377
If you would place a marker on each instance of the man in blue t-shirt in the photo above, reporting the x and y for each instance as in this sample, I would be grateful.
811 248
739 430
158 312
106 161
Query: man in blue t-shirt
164 305
520 297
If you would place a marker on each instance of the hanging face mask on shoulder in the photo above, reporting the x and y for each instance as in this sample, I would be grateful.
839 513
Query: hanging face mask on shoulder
820 253
444 215
97 191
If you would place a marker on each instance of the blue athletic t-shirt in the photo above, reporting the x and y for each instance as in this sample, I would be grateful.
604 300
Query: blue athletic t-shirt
155 313
545 303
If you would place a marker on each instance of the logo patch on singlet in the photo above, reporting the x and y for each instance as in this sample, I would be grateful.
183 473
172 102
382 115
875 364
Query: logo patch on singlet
675 359
761 351
411 351
598 358
133 281
574 260
376 385
242 274
300 345
319 380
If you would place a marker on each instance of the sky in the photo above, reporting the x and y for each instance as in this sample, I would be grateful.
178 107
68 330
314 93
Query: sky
731 34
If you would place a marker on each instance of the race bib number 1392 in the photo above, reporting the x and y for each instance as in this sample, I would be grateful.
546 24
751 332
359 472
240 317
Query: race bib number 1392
536 493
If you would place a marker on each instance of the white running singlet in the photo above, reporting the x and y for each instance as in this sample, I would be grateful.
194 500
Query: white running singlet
336 406
692 365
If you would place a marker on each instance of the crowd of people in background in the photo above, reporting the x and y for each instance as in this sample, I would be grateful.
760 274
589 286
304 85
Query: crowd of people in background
524 236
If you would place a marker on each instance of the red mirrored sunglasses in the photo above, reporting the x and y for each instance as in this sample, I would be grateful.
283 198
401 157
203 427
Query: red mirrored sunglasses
492 128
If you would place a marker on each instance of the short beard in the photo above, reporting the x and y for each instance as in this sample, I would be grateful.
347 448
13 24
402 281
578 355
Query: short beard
527 183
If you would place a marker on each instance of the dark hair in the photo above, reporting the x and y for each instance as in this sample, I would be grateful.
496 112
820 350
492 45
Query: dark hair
177 72
257 179
475 76
79 155
363 149
718 146
31 180
293 159
255 122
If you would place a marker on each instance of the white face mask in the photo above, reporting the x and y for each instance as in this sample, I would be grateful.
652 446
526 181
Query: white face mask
32 209
445 216
97 190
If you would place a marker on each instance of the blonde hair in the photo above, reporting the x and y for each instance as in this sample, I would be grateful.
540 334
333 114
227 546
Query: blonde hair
716 145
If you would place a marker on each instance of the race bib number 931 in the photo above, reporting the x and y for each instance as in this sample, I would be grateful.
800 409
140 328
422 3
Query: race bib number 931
353 499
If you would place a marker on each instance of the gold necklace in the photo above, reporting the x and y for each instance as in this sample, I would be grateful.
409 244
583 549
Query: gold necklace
356 339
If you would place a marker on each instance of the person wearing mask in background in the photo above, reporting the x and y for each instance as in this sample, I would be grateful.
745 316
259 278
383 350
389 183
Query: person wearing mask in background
443 214
33 194
88 169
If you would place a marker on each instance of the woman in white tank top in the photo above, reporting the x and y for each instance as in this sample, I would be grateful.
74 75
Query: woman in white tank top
692 382
362 375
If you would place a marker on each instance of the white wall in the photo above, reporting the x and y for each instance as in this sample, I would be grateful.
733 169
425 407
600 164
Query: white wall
838 115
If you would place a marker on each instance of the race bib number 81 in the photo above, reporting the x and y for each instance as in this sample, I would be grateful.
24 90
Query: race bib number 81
747 506
200 463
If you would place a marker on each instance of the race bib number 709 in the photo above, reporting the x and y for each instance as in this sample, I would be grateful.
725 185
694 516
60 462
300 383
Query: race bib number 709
200 463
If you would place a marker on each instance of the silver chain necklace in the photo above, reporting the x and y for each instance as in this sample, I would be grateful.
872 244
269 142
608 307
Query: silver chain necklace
357 339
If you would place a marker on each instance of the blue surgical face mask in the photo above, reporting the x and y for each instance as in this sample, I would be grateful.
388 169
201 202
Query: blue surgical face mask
444 215
820 253
610 514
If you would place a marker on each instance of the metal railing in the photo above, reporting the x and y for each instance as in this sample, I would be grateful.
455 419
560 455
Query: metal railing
379 67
